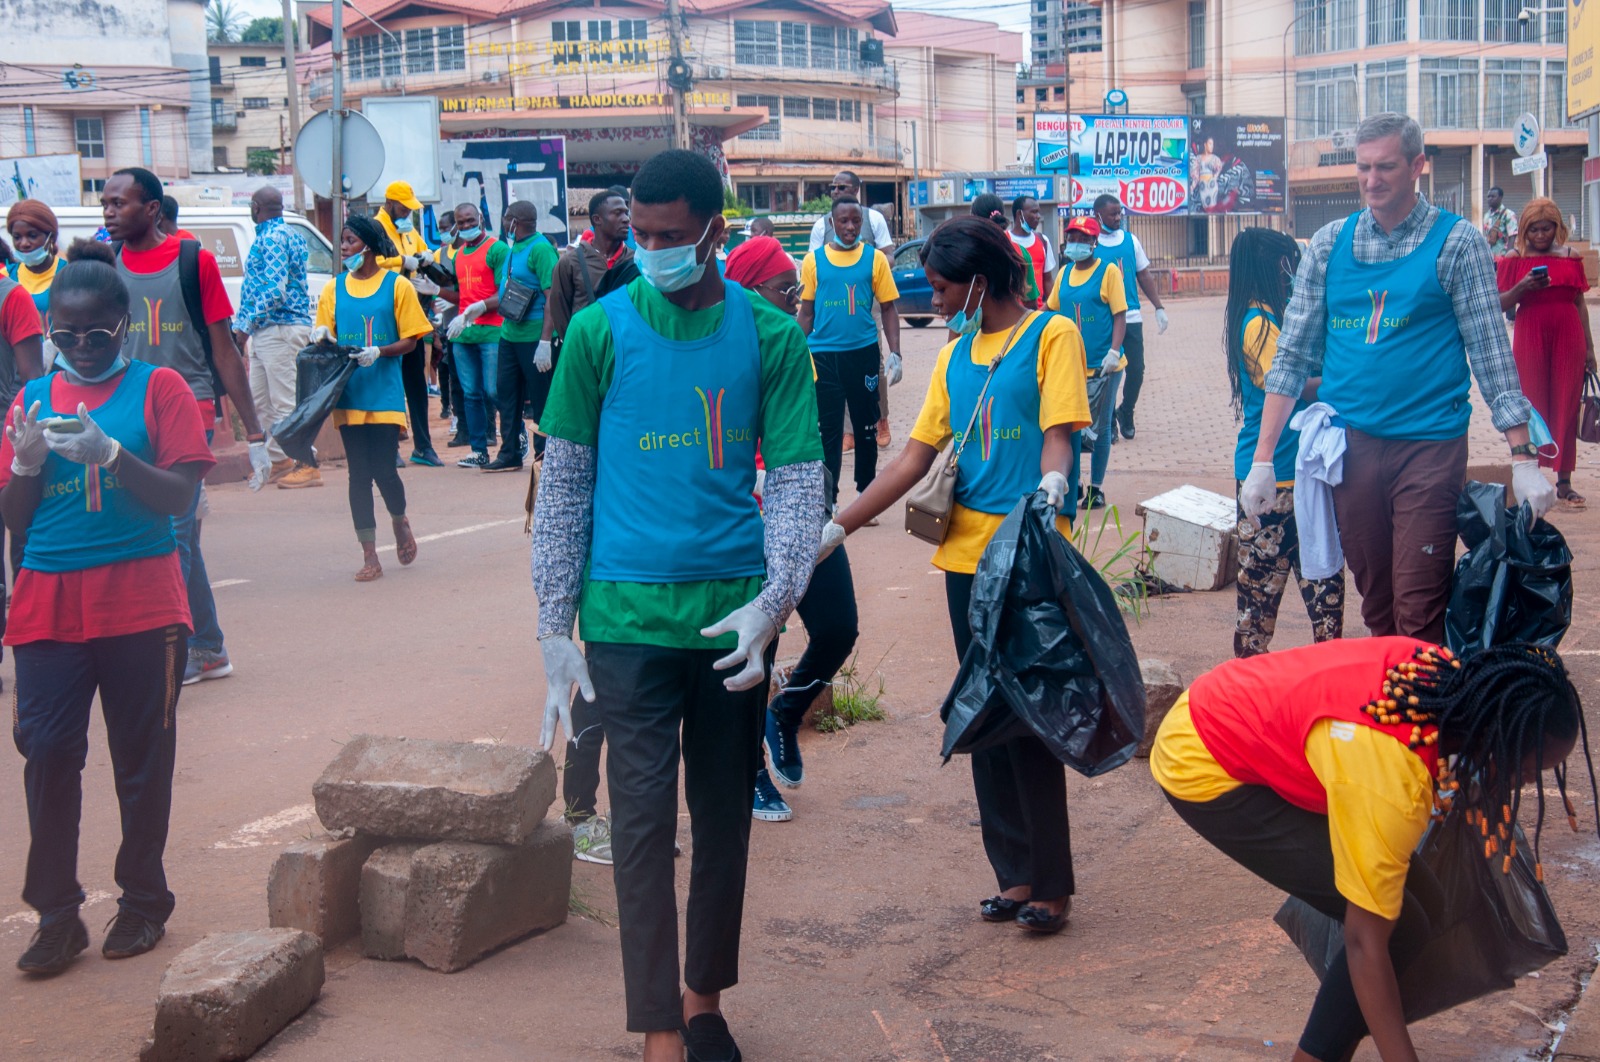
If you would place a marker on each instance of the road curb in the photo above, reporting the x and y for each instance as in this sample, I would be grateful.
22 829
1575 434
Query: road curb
1581 1040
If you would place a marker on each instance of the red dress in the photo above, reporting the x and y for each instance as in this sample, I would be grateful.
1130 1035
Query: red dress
1548 342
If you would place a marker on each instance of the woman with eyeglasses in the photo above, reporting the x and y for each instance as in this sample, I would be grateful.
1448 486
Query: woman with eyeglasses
1024 372
1261 272
98 458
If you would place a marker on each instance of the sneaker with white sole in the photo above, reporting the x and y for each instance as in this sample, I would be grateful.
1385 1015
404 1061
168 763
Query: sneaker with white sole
591 841
479 459
769 804
206 664
783 750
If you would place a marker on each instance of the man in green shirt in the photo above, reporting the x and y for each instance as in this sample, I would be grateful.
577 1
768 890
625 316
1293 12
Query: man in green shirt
480 270
524 359
645 528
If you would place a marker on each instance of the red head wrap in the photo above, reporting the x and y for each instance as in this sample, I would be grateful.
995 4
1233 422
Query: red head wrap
756 261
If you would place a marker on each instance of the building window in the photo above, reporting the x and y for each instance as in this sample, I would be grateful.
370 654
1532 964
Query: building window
1555 95
1197 101
94 185
1555 28
872 118
1324 26
253 60
361 58
773 128
825 110
219 157
797 107
824 56
849 111
633 32
1449 20
1022 125
391 57
1197 34
796 50
29 142
256 103
1325 101
1386 21
91 136
756 196
1022 95
1449 89
452 43
1510 86
565 38
146 154
419 51
1500 21
216 70
755 44
1041 95
1386 87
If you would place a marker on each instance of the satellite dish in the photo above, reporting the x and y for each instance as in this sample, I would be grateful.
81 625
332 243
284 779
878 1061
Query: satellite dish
363 154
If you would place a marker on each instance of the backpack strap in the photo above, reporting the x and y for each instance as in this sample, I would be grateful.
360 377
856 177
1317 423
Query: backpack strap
194 305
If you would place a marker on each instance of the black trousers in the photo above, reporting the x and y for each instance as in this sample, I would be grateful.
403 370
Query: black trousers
515 382
1289 848
580 767
848 379
647 697
451 400
1133 377
1021 790
370 450
828 610
138 677
414 378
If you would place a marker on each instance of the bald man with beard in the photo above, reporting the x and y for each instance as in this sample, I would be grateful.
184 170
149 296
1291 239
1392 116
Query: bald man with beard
275 316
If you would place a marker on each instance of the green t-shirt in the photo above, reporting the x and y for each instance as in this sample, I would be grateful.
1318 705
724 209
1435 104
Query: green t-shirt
672 614
542 258
496 257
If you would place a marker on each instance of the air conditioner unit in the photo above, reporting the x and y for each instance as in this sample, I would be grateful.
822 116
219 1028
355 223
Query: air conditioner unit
492 77
1343 139
716 73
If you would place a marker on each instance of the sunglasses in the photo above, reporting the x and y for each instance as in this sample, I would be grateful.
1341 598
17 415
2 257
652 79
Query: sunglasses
96 339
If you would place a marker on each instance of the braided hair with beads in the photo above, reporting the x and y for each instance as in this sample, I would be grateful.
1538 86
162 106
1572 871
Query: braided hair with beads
1489 714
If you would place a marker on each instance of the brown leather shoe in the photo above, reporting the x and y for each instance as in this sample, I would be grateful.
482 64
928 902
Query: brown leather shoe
302 476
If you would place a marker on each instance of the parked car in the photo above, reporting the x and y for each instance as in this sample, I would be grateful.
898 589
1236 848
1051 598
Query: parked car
915 303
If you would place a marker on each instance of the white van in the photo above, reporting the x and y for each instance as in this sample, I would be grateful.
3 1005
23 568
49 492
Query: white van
227 233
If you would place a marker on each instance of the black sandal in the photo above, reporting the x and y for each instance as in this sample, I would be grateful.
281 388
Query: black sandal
1037 919
1000 909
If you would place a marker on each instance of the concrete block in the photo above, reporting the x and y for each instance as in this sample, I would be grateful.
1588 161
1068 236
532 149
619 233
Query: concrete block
316 886
385 886
1162 685
227 995
436 790
465 900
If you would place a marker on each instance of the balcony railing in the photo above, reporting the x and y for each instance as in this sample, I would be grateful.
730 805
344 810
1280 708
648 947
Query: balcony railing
320 88
815 146
867 75
224 121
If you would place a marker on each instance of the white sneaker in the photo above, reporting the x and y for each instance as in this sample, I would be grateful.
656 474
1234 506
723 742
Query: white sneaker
591 841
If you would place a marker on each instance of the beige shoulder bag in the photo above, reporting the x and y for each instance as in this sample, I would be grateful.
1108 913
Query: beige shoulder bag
929 504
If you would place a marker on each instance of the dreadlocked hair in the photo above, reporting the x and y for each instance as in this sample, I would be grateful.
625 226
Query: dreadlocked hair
1255 279
1489 713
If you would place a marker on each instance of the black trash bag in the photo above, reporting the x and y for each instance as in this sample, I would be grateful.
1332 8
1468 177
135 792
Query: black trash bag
1050 652
1486 927
1514 583
319 378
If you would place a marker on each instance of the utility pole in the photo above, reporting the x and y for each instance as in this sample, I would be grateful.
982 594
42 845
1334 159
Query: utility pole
336 113
916 170
290 69
680 99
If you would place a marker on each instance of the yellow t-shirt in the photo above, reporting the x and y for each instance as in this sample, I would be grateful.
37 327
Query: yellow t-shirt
407 242
1260 347
1111 293
1063 399
411 321
883 286
1379 798
34 283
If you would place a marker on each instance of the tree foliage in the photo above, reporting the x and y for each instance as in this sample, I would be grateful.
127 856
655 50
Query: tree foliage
263 31
224 21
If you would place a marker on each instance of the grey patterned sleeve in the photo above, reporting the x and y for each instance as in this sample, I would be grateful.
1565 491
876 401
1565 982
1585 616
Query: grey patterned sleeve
795 512
563 524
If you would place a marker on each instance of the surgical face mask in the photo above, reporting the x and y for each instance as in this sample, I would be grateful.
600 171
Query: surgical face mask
1539 432
1078 252
468 235
403 224
672 268
353 263
118 363
36 257
963 325
1027 230
846 244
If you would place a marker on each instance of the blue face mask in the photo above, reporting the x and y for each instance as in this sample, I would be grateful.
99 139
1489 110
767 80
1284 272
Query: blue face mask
1027 230
468 235
118 363
403 224
36 257
353 263
1539 433
1077 252
963 325
672 268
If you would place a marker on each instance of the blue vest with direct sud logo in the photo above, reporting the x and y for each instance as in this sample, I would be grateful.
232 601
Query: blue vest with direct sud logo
1083 305
1001 462
520 271
41 299
1252 401
370 322
87 518
679 423
843 310
1394 365
1124 257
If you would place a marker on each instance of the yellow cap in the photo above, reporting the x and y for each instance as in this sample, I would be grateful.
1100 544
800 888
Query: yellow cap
401 193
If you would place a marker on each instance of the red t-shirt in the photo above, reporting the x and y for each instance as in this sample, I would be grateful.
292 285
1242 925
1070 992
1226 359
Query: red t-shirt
19 317
127 597
214 301
185 234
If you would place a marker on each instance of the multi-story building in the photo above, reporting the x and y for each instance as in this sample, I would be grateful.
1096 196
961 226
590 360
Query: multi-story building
249 107
119 84
1060 27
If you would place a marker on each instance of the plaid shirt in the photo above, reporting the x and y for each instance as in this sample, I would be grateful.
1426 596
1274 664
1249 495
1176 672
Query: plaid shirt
1466 272
274 289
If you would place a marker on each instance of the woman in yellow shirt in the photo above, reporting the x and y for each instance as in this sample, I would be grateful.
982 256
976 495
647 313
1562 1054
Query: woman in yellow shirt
376 311
1035 399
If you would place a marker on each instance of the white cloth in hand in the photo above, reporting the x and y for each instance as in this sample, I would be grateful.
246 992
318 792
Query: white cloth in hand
1318 469
1529 485
260 464
894 369
91 446
366 356
543 357
755 631
322 334
564 667
1260 490
1161 322
27 442
1054 485
832 539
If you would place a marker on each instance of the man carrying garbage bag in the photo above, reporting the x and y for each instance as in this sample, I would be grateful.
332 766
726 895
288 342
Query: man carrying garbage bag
646 527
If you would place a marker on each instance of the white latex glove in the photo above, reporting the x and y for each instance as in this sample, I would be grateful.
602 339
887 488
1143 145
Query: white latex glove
457 325
755 631
761 483
366 356
410 262
1110 362
322 334
27 443
564 667
543 357
832 539
260 464
1054 485
475 311
91 446
1260 490
1161 322
1528 484
894 369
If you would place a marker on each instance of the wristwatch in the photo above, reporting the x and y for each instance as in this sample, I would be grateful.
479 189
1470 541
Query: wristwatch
1525 450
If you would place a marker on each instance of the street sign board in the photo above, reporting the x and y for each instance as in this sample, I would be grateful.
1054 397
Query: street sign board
1529 163
1525 134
